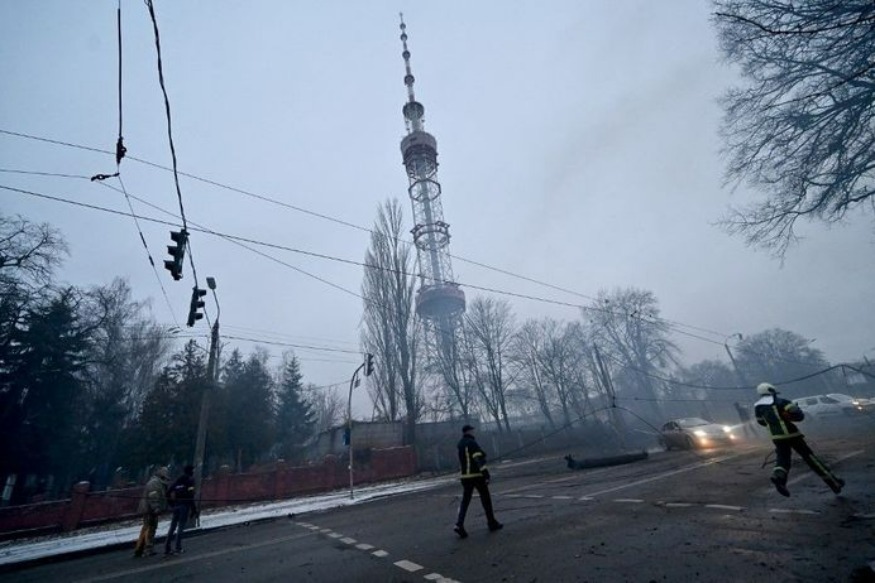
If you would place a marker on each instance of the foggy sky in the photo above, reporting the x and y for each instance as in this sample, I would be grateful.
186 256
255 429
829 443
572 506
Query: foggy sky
578 144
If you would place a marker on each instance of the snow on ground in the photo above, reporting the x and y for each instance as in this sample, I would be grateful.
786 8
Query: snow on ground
28 549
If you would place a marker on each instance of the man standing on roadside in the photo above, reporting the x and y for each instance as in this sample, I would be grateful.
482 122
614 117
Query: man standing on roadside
472 462
182 503
153 503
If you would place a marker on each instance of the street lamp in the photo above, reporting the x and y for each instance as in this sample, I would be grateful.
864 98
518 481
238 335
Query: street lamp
368 366
212 380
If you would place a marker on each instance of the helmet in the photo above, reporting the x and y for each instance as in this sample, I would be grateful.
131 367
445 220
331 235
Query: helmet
766 389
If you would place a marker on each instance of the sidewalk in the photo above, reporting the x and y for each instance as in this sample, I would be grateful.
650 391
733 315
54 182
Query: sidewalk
112 536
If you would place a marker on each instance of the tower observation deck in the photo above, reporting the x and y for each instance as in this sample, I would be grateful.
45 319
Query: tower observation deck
439 299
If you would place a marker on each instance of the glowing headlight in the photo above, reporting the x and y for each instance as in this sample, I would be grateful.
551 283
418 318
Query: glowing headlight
727 429
700 433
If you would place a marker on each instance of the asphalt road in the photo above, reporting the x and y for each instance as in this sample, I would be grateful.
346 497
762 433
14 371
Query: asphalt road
678 516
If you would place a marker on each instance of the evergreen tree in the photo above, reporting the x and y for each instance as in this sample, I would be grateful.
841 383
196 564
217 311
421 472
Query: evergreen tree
44 397
248 388
167 426
295 415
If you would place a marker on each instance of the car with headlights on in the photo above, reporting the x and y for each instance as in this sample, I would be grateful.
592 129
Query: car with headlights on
832 404
695 433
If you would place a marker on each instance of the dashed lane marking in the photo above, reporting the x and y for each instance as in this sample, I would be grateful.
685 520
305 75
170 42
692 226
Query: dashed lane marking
404 564
628 500
562 497
792 511
408 566
724 507
678 504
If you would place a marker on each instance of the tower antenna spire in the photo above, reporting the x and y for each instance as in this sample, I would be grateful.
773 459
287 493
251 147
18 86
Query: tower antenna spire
408 78
439 300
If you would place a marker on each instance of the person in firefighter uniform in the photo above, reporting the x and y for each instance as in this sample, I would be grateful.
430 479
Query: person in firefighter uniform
472 461
780 417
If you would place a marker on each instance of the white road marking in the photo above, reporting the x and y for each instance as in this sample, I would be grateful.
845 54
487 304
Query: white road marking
791 511
679 504
629 500
871 515
364 546
325 530
533 496
586 499
563 497
724 507
347 540
380 553
335 534
408 565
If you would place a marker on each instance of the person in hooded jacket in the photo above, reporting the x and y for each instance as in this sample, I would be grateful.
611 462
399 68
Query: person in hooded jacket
472 461
780 417
152 503
181 495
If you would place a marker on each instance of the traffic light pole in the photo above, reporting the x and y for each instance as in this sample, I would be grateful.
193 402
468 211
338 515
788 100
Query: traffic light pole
212 381
349 423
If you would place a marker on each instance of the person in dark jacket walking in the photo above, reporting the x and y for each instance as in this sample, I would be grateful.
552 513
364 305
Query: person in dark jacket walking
780 416
472 462
181 496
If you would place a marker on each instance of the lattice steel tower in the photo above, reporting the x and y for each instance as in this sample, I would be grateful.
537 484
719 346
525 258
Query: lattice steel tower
439 301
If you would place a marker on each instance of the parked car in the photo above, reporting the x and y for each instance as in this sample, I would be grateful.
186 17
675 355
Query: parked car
829 405
693 432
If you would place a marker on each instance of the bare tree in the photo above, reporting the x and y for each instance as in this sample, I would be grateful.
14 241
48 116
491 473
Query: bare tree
779 356
802 128
29 253
390 320
527 349
489 326
627 328
327 405
562 362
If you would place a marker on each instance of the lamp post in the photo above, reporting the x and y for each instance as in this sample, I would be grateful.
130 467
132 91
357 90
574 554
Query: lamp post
368 366
740 376
353 382
212 380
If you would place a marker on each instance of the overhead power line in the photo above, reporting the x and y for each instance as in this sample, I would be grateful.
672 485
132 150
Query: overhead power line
673 323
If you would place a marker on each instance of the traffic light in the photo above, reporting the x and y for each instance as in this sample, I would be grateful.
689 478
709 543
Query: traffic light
369 364
177 252
196 305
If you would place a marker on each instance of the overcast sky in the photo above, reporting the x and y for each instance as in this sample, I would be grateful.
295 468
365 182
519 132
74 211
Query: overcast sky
578 144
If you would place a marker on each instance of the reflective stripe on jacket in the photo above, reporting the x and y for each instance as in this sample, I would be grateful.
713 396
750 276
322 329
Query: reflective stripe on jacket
472 459
778 415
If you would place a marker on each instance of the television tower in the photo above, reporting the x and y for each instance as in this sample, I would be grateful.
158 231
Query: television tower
439 300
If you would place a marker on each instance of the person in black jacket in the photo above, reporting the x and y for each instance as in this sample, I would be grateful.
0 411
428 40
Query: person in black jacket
780 416
472 461
181 495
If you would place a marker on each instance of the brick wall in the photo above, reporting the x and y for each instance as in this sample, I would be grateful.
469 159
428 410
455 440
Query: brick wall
280 482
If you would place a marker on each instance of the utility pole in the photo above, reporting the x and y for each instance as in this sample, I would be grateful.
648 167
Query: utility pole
212 383
740 376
